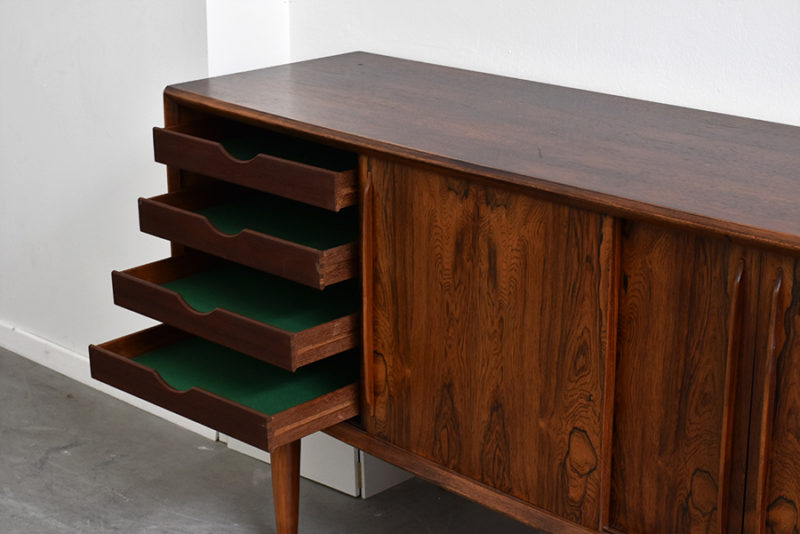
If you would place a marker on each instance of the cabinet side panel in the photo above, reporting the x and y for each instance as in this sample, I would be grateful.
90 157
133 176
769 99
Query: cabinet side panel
673 341
490 310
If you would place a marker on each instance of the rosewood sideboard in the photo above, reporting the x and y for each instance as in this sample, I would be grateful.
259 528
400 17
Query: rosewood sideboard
578 309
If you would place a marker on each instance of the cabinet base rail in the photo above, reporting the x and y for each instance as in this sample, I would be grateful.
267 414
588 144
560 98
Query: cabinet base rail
454 482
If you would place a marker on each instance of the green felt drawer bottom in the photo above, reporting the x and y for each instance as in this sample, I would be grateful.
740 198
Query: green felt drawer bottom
264 316
266 298
195 362
243 397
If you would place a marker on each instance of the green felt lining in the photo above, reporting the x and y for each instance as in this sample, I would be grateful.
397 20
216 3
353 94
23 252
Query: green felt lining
198 363
286 219
245 146
267 298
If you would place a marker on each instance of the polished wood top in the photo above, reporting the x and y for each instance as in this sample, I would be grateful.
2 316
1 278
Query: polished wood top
730 175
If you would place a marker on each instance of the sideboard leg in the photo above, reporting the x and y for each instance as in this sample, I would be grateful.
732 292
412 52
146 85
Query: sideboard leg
285 461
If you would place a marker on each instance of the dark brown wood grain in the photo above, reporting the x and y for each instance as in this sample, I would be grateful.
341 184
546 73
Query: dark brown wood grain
490 324
172 117
613 228
677 336
183 147
638 159
367 287
172 217
112 363
544 521
729 408
285 469
773 491
139 289
765 441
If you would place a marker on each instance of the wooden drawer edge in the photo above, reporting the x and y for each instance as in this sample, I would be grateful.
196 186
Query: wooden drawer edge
255 428
306 265
289 350
321 187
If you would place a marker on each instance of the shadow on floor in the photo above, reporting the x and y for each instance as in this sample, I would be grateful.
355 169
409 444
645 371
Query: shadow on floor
74 460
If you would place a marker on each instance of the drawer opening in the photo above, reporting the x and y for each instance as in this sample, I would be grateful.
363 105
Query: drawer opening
262 315
260 159
293 240
260 296
243 142
283 218
231 210
246 398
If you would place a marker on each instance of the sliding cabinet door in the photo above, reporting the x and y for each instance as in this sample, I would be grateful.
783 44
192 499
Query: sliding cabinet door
493 312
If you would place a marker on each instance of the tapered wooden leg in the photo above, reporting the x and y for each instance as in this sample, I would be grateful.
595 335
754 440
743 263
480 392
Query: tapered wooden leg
285 461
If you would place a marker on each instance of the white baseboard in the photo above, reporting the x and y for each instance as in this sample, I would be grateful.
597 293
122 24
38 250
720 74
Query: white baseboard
323 459
378 476
335 464
76 366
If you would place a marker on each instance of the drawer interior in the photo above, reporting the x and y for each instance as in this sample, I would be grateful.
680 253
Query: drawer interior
239 153
196 363
226 390
232 209
260 296
244 142
265 316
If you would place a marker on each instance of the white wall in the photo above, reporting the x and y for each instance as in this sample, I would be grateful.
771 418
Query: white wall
246 34
740 57
80 90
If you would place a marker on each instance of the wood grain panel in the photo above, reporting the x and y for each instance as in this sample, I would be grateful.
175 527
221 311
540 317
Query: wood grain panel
774 490
490 334
678 334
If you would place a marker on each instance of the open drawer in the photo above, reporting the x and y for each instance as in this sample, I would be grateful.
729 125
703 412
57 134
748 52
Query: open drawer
261 159
246 398
264 316
293 240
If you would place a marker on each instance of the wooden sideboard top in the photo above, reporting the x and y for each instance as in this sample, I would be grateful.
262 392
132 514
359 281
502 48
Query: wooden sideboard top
730 175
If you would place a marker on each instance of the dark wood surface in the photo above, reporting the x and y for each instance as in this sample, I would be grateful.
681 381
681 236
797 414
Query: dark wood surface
678 343
306 183
704 170
285 469
139 289
773 496
367 255
490 334
112 363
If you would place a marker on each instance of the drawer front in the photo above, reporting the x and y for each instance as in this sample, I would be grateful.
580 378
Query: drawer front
309 173
243 397
286 324
289 239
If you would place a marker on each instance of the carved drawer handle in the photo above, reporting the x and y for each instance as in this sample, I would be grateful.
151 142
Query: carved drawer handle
731 375
367 225
768 404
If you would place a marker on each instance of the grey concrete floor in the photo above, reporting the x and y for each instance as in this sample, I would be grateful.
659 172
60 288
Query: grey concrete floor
75 460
